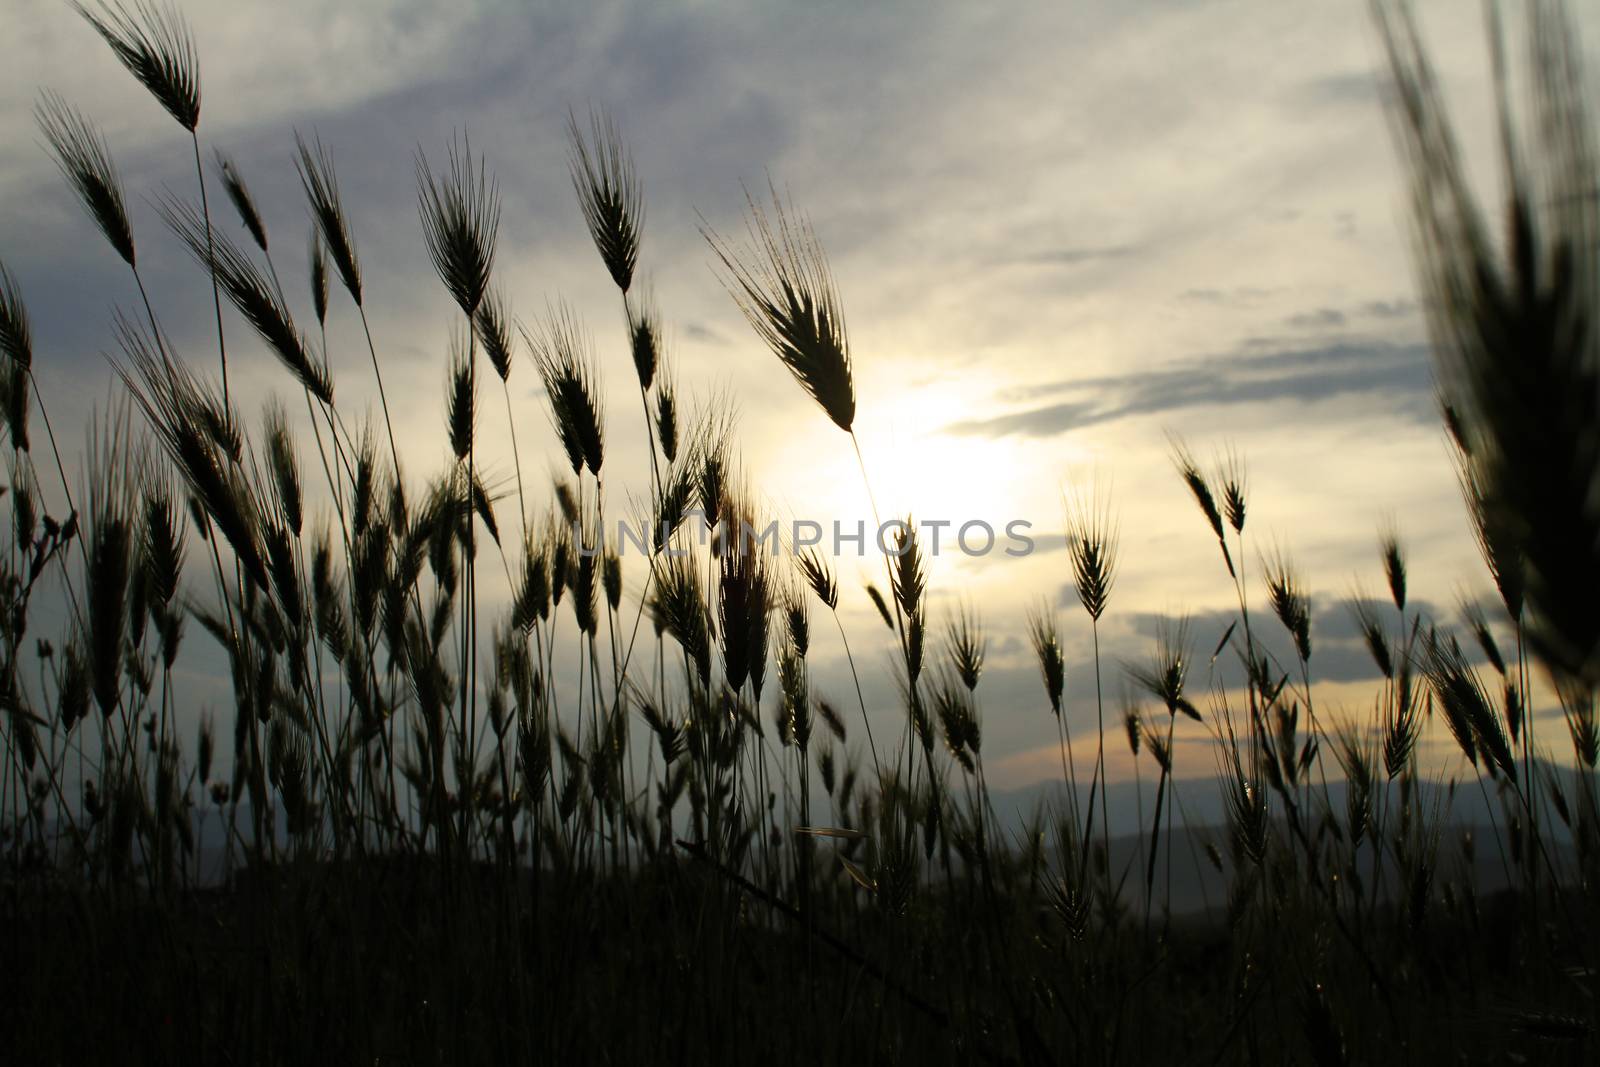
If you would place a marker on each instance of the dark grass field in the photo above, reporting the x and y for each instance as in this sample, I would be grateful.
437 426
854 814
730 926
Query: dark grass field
433 853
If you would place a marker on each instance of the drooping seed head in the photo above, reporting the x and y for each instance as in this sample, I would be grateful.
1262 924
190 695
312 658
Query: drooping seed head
154 43
881 604
683 608
493 326
1046 641
744 598
967 645
245 204
1472 612
257 299
566 501
819 576
81 153
780 280
16 339
565 357
795 713
14 403
283 465
319 276
321 185
194 427
644 336
1372 633
611 578
1200 489
1289 601
162 540
797 619
483 507
832 719
667 411
1394 564
533 594
1467 710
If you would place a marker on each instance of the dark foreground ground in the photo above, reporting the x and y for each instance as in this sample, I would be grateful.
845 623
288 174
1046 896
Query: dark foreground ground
399 964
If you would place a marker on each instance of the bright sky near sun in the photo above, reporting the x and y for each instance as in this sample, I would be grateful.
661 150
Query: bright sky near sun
1060 231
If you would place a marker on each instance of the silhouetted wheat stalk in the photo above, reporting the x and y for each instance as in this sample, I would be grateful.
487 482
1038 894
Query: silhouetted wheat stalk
353 645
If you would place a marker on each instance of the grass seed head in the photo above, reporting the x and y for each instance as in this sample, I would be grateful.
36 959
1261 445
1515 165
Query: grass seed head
1235 488
609 195
245 204
1289 601
1092 551
321 186
967 645
564 355
493 326
881 604
81 153
460 214
644 337
1394 564
462 404
252 293
319 276
1046 641
1372 633
16 339
611 578
1198 486
819 576
910 577
153 41
781 281
1511 323
283 465
666 414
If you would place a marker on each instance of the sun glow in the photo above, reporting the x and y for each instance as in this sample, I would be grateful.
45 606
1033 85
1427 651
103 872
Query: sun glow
917 468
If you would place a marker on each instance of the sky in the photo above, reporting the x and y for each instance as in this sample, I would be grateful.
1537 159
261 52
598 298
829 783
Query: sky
1061 233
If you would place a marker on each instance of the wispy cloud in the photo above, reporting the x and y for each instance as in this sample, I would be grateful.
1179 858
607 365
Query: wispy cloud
1397 372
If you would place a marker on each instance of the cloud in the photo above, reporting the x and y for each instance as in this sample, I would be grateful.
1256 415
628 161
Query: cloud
1399 372
1071 257
699 331
1389 309
1320 319
1345 89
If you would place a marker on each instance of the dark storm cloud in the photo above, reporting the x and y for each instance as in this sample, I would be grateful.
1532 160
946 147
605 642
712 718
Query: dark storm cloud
1398 372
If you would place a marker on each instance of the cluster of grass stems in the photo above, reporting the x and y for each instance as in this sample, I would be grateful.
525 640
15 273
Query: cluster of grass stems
616 818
